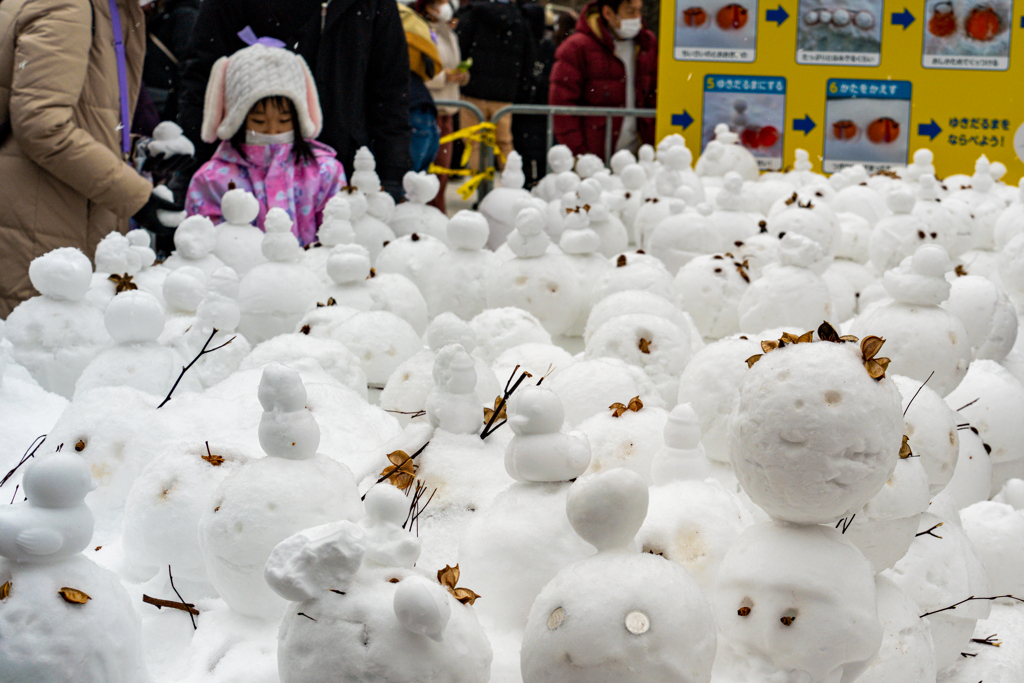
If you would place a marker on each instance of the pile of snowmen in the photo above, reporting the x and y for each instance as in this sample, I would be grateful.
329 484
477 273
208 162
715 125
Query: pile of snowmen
651 423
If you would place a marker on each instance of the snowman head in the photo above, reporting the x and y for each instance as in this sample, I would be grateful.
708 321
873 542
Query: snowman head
560 159
448 328
287 428
607 509
646 154
114 254
279 244
814 436
677 158
622 160
530 222
184 288
420 187
796 603
468 230
348 264
682 429
633 177
63 274
134 317
386 505
195 237
60 480
589 165
454 371
535 410
239 207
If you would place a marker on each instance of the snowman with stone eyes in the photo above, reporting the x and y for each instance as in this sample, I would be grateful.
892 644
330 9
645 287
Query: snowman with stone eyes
619 615
816 434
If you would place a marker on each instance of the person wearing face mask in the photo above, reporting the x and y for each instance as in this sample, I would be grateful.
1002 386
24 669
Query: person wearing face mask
446 83
611 61
262 104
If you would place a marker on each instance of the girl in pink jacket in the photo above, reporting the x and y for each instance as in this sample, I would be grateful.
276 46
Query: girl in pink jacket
262 103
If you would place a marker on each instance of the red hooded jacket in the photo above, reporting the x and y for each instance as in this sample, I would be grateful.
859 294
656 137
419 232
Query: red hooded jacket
587 73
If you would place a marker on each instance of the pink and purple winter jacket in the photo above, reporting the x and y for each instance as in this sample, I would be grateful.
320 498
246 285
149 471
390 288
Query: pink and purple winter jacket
272 175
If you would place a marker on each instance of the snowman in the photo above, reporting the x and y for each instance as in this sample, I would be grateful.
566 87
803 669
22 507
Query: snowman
922 336
608 227
218 310
452 404
560 160
630 198
731 217
183 290
411 382
898 235
415 214
117 268
359 606
134 320
57 334
709 288
790 293
987 313
266 500
456 280
335 230
539 451
683 235
371 232
676 177
238 240
275 294
635 270
619 615
499 206
412 256
194 242
348 266
985 203
56 598
535 280
580 244
724 154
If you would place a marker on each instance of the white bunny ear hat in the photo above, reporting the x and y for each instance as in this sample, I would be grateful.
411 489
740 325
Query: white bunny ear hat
246 77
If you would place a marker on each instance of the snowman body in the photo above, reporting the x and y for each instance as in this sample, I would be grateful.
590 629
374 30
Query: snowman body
238 240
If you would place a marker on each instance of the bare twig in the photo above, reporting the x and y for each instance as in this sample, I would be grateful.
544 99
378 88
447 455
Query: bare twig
202 352
303 614
490 427
412 413
954 606
916 393
928 532
29 453
15 493
183 606
991 640
415 509
171 577
845 523
968 405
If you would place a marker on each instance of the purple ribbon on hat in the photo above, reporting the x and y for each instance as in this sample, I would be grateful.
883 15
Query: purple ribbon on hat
248 37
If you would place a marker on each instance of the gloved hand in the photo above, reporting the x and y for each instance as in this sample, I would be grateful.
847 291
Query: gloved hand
166 153
147 215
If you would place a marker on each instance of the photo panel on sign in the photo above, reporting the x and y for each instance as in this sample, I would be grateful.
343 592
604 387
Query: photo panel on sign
839 32
866 122
959 34
754 108
717 31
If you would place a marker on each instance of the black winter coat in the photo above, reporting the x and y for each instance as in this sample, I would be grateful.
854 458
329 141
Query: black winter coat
357 52
497 37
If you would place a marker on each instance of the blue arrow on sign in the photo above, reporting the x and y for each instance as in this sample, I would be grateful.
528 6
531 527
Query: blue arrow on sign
805 124
904 18
930 129
1022 22
683 119
779 15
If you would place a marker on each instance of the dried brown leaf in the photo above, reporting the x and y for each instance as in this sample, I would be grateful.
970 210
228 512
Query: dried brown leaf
73 595
849 338
402 471
621 261
464 595
635 404
5 591
645 345
753 359
769 345
870 346
617 409
805 338
876 367
449 576
960 270
215 460
122 283
80 446
905 451
488 412
827 333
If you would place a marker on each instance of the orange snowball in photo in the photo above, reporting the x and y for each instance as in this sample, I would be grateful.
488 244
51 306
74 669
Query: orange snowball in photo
844 130
883 130
694 16
732 17
982 24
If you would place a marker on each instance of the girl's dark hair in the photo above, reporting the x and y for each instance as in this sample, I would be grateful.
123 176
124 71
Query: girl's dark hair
303 152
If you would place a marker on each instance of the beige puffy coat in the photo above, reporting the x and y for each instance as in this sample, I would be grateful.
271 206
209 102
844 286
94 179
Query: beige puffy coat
62 179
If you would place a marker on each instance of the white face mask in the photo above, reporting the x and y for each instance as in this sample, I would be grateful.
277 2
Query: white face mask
254 138
445 13
629 28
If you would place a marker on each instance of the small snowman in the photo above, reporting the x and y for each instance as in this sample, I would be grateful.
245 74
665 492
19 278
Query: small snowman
274 295
676 174
359 607
535 280
987 313
117 267
194 242
266 500
452 404
371 232
335 229
499 206
53 595
456 280
898 235
57 334
218 310
365 176
348 266
560 160
608 227
923 338
985 203
540 451
580 244
413 256
134 320
415 214
789 293
731 217
631 198
238 240
619 615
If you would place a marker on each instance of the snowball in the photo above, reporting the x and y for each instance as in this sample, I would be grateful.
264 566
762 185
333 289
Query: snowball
133 317
709 288
931 427
545 286
587 387
650 342
907 654
62 274
333 356
814 437
987 314
380 340
997 532
630 440
184 289
499 329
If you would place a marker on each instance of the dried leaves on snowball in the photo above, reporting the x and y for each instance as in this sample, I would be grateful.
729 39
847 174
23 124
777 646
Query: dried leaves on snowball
869 347
449 577
122 283
488 412
402 471
634 405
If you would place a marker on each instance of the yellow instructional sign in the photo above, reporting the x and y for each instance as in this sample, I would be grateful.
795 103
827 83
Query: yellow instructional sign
850 81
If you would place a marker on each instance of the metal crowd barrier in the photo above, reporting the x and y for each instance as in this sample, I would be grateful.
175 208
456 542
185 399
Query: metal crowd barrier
550 111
